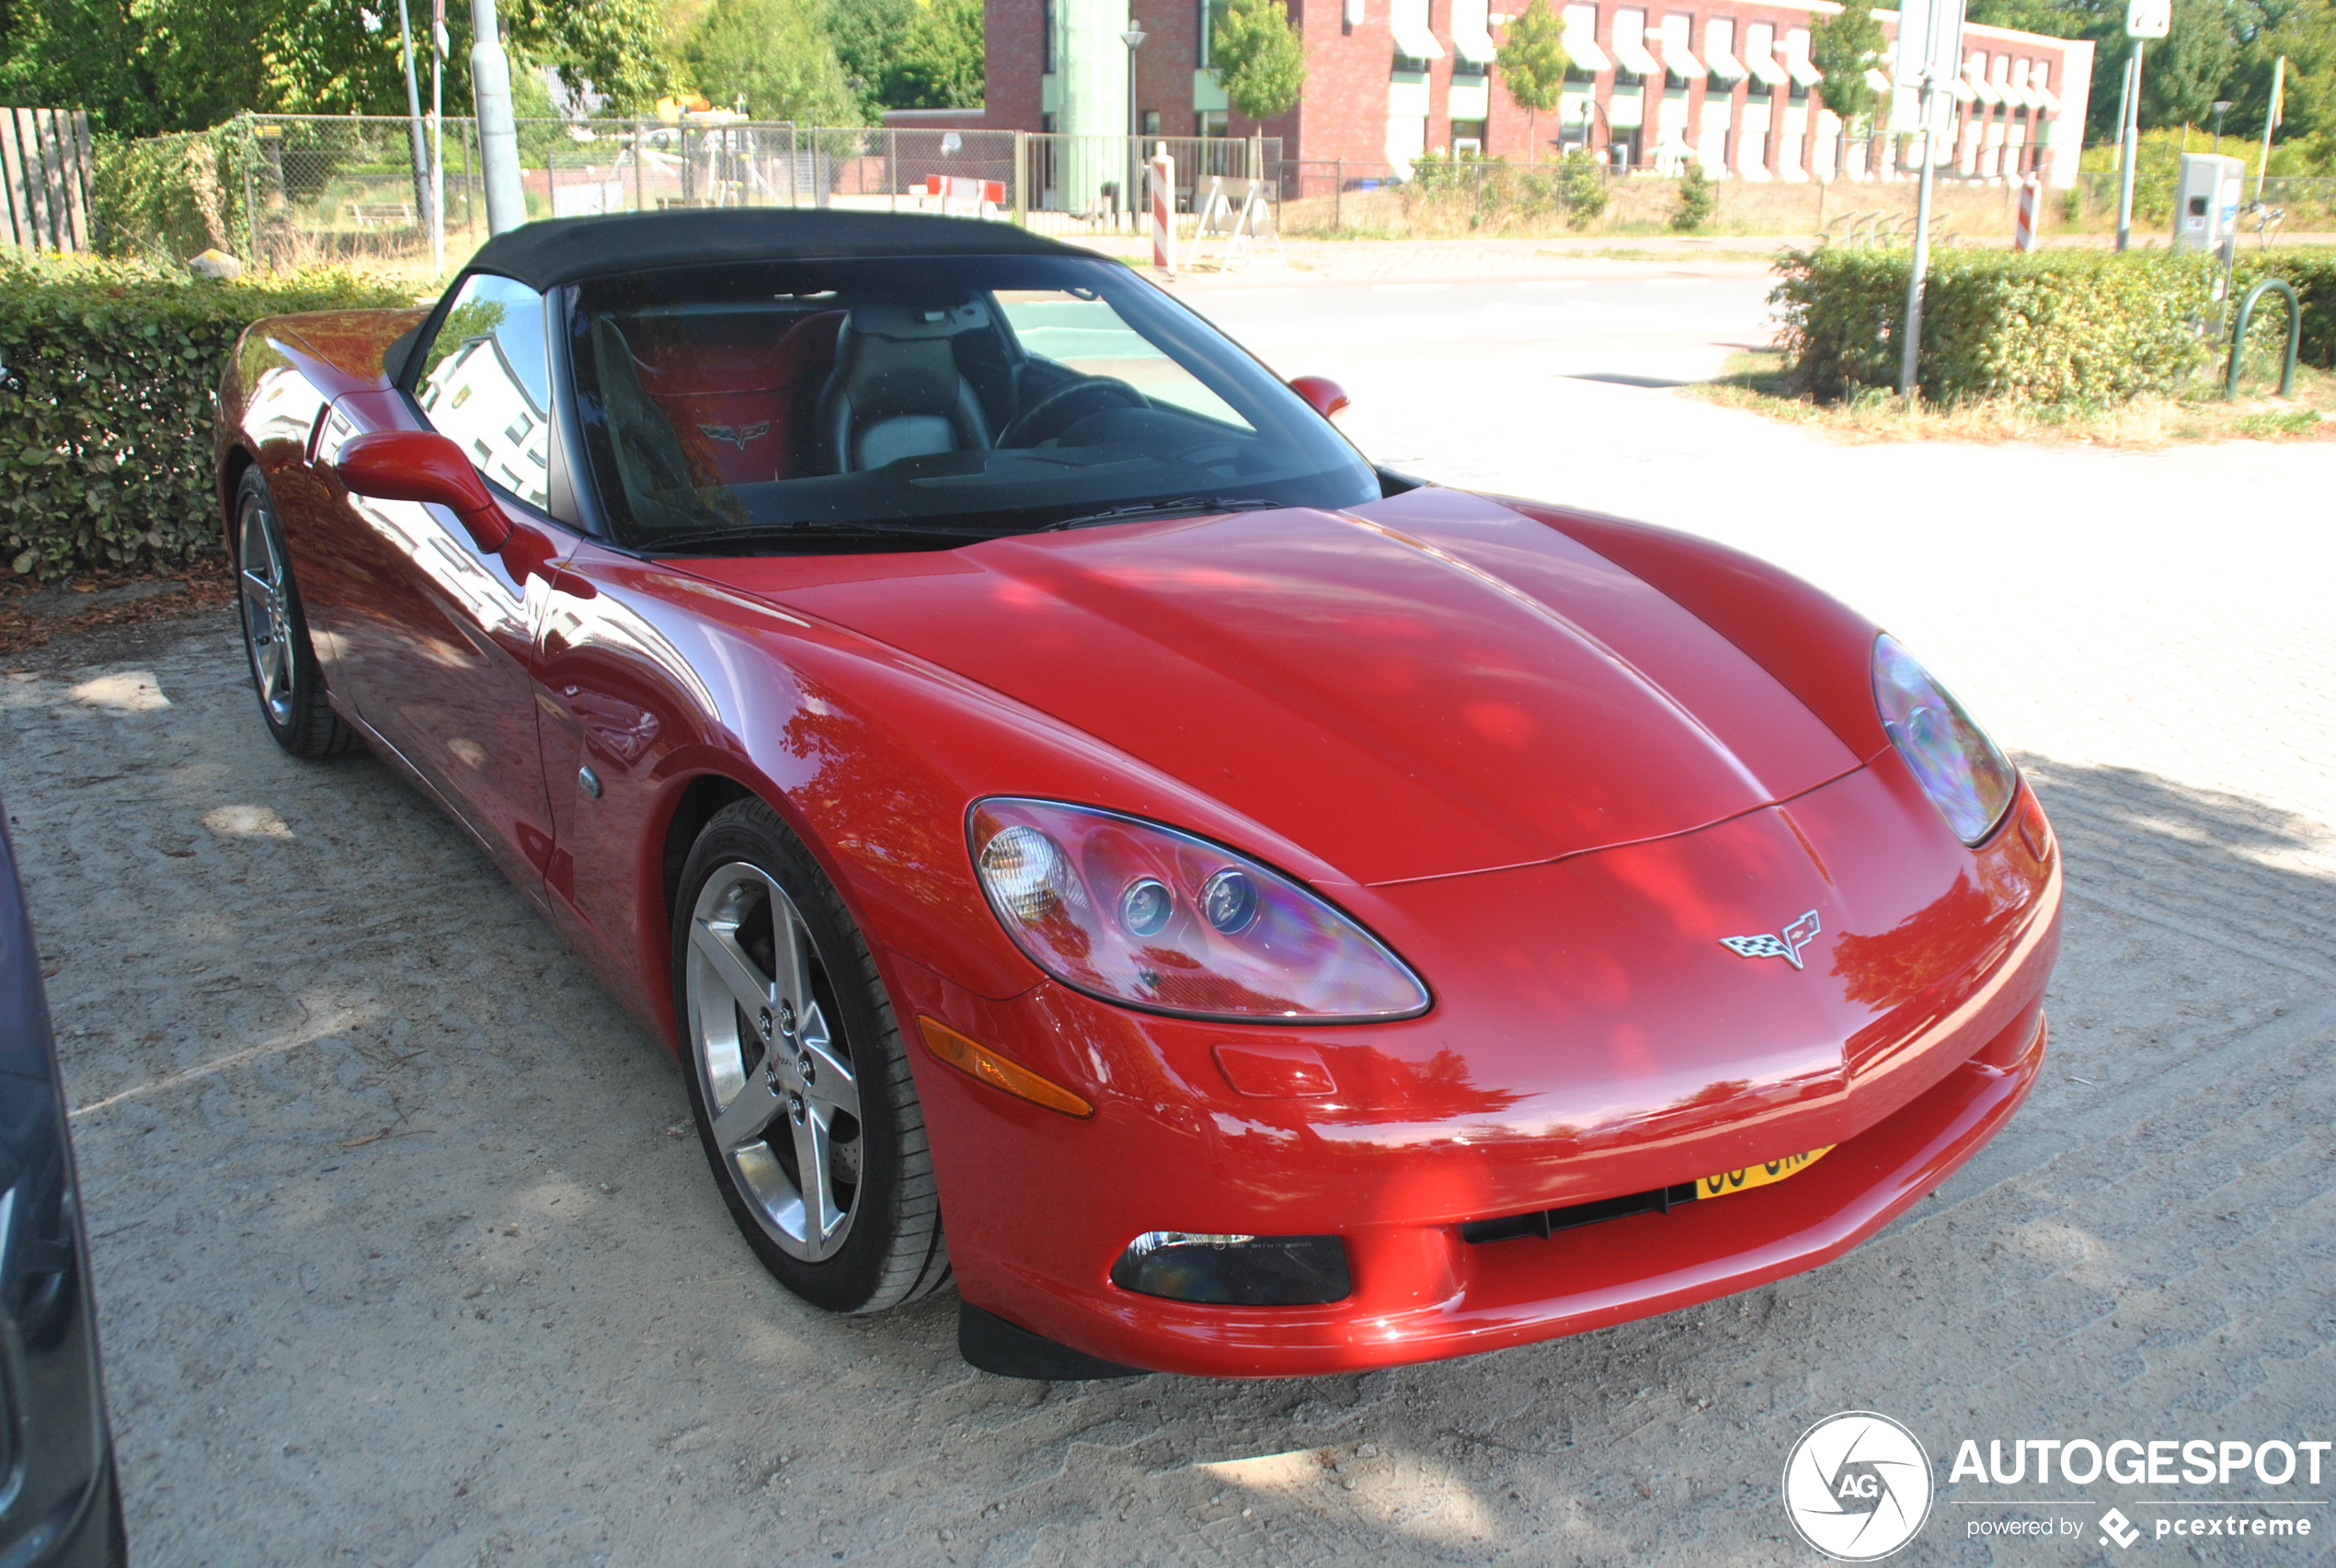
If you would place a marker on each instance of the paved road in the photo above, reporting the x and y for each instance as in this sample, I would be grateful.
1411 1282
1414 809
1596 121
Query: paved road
1482 344
405 1259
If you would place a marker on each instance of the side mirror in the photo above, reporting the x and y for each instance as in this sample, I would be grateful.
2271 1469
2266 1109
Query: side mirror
1324 393
422 466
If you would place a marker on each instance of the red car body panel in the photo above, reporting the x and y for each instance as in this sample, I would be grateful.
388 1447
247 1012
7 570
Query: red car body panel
1550 759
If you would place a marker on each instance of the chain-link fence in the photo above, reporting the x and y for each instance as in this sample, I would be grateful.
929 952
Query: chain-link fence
295 189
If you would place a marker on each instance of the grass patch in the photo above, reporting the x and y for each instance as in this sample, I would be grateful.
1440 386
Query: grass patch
1762 381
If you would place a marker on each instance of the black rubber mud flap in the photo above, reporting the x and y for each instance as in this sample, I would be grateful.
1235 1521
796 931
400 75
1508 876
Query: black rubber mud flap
989 1344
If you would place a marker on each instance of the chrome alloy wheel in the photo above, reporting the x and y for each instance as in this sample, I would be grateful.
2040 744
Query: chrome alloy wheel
778 1085
259 577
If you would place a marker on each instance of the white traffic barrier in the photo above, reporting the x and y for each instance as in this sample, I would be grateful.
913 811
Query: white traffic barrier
1163 173
2030 219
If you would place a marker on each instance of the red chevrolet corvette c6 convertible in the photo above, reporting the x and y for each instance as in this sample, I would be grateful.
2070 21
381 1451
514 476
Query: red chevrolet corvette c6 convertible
1087 832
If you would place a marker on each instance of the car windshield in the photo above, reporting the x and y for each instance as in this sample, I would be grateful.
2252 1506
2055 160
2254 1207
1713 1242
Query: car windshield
917 404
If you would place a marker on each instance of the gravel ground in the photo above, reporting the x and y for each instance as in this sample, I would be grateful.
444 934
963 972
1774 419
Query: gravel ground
404 1255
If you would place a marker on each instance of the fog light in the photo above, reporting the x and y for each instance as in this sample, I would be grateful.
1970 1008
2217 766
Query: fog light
1235 1271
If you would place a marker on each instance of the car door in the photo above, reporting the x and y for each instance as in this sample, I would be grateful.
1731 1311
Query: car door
435 651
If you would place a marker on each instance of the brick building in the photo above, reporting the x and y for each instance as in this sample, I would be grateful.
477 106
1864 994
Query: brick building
1727 82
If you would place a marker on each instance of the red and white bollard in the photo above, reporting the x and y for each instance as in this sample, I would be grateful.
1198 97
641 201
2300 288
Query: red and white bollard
1163 175
2030 219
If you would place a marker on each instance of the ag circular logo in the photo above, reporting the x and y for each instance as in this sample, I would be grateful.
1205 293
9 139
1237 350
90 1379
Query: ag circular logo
1857 1486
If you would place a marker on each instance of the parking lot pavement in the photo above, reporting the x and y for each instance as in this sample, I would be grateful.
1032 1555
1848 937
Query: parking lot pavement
404 1255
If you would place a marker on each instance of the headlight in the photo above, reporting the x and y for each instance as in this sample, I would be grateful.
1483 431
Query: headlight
1967 779
1134 912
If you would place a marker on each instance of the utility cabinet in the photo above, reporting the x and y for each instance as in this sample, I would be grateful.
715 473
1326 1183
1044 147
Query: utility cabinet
2207 200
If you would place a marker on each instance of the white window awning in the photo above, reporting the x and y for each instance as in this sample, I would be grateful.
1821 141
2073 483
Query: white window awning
1803 72
2042 98
1633 56
1985 88
1726 66
1680 61
1963 92
1584 51
1877 81
1415 42
1475 45
1765 71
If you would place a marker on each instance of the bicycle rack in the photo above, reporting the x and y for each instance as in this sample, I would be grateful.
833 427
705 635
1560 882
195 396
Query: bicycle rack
2239 336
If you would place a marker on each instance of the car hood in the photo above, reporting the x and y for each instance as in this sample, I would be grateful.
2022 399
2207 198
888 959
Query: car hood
1424 686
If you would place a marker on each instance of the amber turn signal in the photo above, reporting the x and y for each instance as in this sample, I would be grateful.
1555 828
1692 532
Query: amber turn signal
968 1056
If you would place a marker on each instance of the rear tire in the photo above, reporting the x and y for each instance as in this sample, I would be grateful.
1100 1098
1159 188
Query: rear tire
797 1078
284 672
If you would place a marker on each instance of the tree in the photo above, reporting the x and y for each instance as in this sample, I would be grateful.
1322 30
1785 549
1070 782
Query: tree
1843 49
870 37
2184 72
1532 62
775 54
1259 57
142 67
1697 199
909 54
940 66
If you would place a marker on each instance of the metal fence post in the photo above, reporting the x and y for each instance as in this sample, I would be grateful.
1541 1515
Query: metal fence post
1338 197
1021 179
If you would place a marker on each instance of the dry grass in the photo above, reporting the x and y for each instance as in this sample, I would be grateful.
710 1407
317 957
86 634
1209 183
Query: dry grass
1760 381
1642 204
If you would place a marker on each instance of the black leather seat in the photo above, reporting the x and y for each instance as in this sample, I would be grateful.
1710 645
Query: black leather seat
896 391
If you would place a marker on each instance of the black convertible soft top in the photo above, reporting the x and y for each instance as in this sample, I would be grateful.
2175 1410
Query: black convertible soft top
565 250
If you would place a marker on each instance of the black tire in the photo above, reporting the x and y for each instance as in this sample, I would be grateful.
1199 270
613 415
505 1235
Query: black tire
878 1171
284 672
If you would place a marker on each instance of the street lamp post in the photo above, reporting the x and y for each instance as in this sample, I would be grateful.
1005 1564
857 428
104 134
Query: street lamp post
1134 39
498 136
2222 107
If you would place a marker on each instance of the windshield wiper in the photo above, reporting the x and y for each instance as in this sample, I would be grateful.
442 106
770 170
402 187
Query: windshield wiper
1183 506
719 539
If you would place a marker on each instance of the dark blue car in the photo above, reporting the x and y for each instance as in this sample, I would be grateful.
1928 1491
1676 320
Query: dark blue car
59 1504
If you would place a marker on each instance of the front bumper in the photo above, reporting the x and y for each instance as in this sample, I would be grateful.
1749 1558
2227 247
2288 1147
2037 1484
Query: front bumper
1906 1080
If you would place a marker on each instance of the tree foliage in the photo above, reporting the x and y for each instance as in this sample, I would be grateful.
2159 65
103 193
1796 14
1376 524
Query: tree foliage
776 55
1259 57
909 54
142 67
1532 64
1843 49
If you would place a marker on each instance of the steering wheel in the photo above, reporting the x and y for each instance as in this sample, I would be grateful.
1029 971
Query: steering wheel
1023 427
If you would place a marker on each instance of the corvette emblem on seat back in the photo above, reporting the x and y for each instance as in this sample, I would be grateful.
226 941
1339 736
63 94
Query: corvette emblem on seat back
1796 936
737 435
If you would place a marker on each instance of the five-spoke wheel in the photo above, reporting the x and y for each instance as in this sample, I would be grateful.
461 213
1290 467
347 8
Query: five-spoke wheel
795 1072
284 671
786 1107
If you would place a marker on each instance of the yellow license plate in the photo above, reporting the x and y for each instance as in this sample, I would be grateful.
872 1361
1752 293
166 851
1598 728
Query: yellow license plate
1752 1176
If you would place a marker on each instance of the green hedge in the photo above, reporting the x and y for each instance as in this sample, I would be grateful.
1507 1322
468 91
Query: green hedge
2312 270
2063 327
106 404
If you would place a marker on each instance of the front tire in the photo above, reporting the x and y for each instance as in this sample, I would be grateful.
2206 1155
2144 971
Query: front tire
797 1078
284 672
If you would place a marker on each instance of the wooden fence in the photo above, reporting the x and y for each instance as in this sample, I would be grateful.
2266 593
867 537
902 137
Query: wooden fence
45 170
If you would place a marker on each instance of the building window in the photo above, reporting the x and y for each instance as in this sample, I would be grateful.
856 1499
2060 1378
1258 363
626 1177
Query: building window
1467 138
1211 122
1212 13
1152 122
1414 44
1048 24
